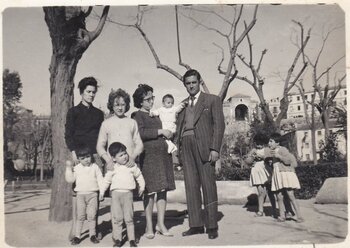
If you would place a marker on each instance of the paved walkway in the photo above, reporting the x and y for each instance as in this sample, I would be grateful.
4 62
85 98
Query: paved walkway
26 224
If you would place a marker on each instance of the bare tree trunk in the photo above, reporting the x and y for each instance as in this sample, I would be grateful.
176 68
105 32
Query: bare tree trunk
62 74
313 145
325 118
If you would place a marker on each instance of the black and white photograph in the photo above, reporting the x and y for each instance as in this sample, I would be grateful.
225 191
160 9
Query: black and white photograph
203 123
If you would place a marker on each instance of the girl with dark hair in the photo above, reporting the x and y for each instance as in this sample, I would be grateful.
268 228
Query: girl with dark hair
155 162
260 175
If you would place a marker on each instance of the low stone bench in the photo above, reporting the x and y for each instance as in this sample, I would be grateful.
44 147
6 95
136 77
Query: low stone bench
333 190
229 192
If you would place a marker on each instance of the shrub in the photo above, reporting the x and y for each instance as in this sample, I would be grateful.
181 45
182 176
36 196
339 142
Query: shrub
312 177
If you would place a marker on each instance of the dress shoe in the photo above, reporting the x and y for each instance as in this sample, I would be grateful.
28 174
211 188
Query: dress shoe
212 233
193 231
132 243
117 243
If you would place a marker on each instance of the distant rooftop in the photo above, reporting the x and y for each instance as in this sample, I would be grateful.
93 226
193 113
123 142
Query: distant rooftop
238 96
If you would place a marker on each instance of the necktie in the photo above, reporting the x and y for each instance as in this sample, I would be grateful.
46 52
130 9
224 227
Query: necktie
192 100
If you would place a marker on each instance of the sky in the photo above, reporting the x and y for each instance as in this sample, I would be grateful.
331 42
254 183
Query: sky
120 58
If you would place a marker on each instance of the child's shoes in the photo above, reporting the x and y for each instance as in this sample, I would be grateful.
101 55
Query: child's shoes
300 220
117 243
132 243
289 215
259 214
75 241
94 240
281 219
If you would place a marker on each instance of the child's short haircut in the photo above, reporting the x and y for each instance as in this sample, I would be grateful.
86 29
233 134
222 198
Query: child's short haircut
82 151
168 96
115 148
276 137
260 139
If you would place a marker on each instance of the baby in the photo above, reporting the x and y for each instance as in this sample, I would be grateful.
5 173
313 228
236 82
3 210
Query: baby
167 115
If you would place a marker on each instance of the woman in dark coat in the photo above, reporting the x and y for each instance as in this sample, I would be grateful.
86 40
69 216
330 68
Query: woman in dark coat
155 161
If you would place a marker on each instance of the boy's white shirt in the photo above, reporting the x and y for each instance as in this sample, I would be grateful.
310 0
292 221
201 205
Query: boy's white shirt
86 178
123 178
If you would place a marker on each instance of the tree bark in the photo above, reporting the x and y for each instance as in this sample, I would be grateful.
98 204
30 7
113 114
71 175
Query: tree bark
62 74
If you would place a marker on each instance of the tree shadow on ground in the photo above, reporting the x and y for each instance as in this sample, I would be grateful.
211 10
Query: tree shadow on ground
18 197
252 206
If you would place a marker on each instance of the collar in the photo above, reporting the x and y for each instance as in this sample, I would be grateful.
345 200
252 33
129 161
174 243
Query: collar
84 106
196 95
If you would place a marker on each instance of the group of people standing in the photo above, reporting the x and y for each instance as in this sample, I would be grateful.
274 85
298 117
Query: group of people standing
125 149
273 174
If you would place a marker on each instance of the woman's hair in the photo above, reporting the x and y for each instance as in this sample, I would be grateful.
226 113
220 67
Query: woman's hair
140 93
168 96
276 137
85 82
115 94
115 148
190 73
82 151
260 139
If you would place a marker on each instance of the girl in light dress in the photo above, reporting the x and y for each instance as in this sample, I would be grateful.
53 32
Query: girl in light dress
260 175
284 178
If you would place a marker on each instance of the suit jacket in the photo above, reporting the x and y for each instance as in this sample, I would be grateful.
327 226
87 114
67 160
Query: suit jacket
209 125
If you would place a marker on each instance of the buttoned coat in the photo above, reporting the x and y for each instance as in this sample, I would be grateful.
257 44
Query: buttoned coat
209 125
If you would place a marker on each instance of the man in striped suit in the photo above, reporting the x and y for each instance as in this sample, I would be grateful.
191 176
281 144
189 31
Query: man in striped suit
200 129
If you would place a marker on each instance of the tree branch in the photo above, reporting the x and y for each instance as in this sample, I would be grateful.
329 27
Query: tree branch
178 41
88 12
94 34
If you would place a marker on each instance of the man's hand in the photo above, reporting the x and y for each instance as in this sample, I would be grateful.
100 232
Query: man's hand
213 156
217 167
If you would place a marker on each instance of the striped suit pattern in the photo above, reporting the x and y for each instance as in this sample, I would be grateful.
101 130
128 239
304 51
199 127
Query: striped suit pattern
194 153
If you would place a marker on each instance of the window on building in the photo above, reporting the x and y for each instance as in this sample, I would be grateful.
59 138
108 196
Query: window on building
345 102
312 95
307 156
299 107
344 92
306 97
275 110
298 98
307 106
319 132
307 145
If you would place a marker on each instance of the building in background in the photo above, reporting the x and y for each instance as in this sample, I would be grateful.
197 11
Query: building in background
239 110
296 106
